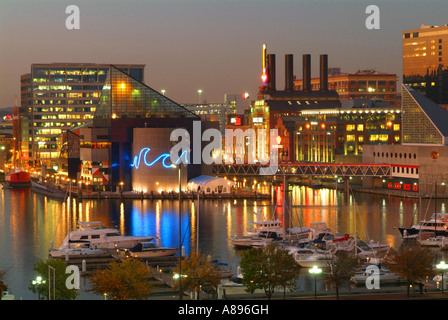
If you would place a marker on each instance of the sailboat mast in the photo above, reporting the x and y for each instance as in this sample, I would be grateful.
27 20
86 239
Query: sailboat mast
68 210
356 244
435 210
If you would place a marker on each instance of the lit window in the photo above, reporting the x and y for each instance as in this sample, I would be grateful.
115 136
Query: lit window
350 127
350 137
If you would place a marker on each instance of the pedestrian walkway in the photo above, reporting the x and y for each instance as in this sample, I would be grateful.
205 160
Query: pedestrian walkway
387 293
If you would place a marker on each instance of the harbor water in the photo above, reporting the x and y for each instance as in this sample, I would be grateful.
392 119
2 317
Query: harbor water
29 222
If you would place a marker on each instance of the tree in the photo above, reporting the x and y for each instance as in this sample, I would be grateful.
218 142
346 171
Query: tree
341 269
56 281
122 280
412 263
251 269
286 269
199 271
3 286
267 269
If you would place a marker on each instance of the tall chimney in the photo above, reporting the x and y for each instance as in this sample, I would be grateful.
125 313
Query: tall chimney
289 73
324 72
306 72
271 73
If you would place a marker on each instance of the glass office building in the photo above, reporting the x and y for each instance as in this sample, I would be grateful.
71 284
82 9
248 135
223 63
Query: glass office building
57 97
425 57
106 146
424 122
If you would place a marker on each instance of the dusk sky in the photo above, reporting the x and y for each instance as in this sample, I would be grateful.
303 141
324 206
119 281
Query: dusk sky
211 45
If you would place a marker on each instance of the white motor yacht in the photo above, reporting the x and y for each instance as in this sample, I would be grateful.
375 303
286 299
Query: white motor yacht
257 226
98 236
437 224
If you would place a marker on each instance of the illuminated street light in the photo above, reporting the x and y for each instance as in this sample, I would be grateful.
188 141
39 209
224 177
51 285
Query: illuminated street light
442 266
37 282
315 271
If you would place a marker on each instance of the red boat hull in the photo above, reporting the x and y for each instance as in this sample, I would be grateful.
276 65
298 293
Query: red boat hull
20 179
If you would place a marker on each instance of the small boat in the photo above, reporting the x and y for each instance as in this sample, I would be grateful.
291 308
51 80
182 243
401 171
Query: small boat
438 223
147 249
260 240
319 259
378 247
301 253
99 236
7 295
224 270
385 277
17 179
48 190
84 250
258 226
439 241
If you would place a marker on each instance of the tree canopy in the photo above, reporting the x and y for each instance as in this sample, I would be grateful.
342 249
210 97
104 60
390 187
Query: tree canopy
57 281
267 269
412 263
3 285
199 271
122 280
341 269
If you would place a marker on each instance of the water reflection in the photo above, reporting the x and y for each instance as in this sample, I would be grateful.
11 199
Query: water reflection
29 222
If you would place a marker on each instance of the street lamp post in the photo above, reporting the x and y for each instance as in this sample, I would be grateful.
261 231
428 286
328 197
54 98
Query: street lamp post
51 269
442 266
315 271
180 227
37 282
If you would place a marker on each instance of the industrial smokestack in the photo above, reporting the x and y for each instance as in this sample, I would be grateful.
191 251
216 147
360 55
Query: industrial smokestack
324 72
289 73
306 72
271 73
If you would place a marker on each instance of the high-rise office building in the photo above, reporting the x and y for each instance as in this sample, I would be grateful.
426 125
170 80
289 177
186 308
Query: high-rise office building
56 97
425 61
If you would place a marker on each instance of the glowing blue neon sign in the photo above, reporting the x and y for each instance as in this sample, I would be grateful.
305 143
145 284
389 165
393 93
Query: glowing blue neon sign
142 155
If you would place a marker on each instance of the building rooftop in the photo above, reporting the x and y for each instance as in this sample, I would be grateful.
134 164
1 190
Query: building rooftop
298 105
125 97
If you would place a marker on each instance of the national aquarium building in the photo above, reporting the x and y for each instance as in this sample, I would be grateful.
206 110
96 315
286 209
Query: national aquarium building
127 145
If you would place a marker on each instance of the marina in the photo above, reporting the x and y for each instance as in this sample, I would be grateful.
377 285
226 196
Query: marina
32 226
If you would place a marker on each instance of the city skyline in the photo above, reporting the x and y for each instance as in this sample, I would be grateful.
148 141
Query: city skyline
214 46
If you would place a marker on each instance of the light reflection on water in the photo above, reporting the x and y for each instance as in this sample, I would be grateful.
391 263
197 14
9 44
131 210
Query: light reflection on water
29 222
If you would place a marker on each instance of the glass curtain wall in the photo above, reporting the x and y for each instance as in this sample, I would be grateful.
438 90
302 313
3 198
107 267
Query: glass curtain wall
417 128
125 97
